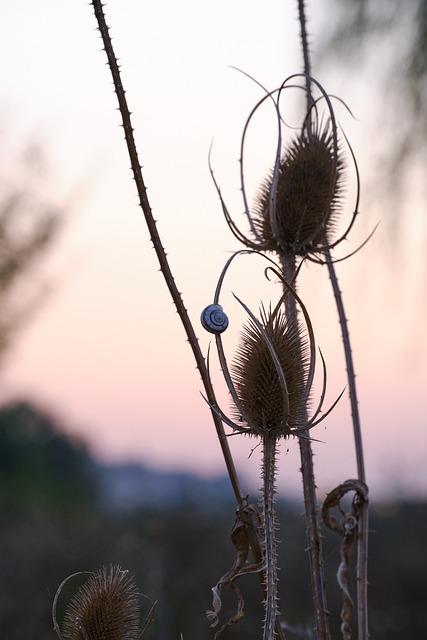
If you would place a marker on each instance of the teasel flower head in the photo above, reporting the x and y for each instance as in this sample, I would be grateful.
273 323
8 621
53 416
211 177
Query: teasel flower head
271 375
298 207
270 372
302 216
105 607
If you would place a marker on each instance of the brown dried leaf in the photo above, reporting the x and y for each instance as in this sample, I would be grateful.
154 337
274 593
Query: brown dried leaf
347 527
240 538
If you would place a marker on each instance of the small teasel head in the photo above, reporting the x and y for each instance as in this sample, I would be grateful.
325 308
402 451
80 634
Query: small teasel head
270 373
105 607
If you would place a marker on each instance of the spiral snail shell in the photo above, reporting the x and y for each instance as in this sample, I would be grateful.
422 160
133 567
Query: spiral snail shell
214 319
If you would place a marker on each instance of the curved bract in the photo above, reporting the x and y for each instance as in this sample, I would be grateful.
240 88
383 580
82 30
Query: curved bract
272 371
299 203
269 373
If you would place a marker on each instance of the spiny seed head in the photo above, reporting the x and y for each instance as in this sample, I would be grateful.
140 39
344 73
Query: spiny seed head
265 406
309 185
106 607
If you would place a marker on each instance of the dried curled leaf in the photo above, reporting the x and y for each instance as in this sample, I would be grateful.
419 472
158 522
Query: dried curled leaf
247 517
347 527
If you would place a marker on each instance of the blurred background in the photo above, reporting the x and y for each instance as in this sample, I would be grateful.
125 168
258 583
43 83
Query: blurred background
106 443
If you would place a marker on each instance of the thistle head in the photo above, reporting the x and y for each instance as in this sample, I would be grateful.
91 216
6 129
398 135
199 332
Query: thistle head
106 607
270 375
272 372
298 204
298 207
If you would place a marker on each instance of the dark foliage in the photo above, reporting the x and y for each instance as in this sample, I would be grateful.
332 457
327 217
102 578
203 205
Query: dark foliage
52 526
29 225
40 469
395 33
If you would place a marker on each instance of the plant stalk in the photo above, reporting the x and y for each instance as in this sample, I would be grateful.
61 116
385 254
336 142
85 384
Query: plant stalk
270 544
318 584
363 523
158 247
167 273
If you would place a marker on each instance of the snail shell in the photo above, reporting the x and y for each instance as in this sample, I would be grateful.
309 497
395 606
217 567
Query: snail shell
214 319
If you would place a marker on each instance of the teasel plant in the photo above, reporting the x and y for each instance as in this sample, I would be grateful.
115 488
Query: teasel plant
245 511
270 382
105 607
309 174
295 216
292 217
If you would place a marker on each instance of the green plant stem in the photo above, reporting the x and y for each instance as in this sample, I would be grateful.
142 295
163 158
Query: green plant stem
363 523
309 488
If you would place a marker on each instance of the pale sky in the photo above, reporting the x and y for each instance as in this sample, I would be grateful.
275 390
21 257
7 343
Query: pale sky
107 353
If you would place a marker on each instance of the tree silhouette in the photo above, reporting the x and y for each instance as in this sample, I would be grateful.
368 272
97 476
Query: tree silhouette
397 33
28 227
40 468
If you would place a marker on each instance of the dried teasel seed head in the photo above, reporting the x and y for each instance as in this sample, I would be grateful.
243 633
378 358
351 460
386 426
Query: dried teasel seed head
308 188
266 403
106 607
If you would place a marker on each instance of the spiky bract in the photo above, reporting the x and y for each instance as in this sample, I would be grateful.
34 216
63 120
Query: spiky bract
106 607
267 402
301 215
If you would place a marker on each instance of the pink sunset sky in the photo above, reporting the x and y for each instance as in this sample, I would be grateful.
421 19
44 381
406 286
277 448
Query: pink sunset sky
107 354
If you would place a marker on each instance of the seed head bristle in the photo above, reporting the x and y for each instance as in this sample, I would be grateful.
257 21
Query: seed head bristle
309 186
106 607
257 381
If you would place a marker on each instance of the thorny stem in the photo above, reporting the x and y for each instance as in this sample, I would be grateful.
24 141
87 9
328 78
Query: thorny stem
314 538
363 523
306 55
270 543
166 271
362 572
350 367
158 247
309 488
